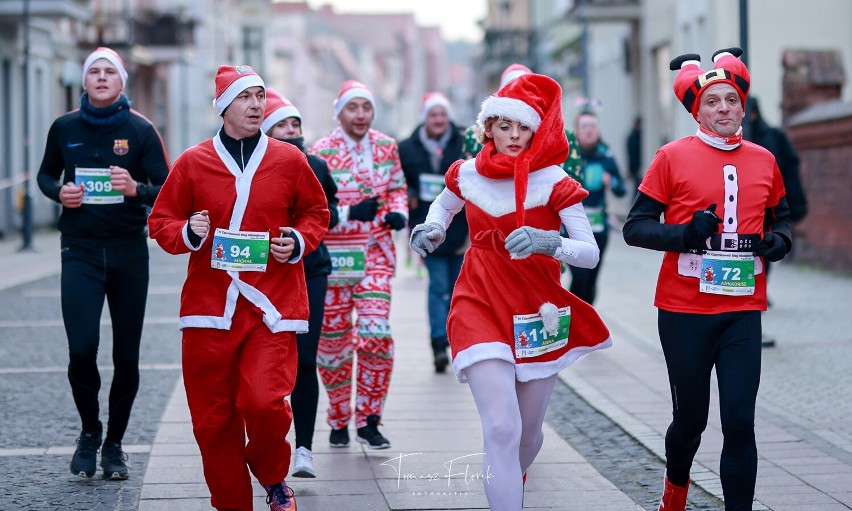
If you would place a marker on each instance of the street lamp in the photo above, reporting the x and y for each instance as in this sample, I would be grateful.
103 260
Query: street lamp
27 209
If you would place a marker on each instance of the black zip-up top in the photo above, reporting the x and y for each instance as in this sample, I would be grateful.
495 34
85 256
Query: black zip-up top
123 138
242 149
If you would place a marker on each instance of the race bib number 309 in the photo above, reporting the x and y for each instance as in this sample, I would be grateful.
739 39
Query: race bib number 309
97 187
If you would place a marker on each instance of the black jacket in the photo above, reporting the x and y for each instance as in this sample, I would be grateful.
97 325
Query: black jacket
774 140
414 159
134 145
318 262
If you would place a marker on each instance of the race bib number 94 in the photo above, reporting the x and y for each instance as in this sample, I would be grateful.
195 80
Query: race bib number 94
240 250
97 187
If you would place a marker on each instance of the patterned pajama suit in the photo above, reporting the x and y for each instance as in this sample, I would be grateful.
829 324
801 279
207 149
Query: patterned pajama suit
369 296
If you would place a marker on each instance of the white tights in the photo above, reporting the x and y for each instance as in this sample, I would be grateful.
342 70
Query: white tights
512 414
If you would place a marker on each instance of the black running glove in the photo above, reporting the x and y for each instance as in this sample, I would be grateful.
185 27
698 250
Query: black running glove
772 247
364 210
394 220
704 224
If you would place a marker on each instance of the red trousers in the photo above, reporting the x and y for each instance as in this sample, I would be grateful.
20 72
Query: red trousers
236 381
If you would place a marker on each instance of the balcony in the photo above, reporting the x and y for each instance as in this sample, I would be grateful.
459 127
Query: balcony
606 10
13 10
154 29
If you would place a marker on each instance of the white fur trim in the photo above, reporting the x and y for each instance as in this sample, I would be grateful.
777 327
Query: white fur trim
278 116
524 371
719 56
477 353
538 370
508 108
511 75
112 58
497 196
237 86
346 97
690 63
301 246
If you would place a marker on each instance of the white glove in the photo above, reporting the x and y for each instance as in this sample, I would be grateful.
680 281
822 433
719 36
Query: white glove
525 241
425 238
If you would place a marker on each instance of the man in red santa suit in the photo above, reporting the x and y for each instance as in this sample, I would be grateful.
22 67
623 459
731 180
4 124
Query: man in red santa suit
240 312
373 198
725 212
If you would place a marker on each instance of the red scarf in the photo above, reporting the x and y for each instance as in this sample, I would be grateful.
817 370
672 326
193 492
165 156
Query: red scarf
548 147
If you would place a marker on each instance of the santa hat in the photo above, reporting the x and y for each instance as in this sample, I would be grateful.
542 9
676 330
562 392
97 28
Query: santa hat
230 82
512 72
350 90
278 108
535 101
692 81
111 56
431 99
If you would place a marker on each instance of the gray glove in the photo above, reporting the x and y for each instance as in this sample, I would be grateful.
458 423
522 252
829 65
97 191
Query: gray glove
425 238
525 241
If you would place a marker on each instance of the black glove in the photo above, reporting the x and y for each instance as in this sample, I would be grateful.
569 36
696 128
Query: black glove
394 220
364 210
772 247
703 225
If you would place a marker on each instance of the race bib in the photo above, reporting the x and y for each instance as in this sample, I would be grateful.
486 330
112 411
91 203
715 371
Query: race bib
431 185
532 340
348 261
97 187
727 273
240 250
597 218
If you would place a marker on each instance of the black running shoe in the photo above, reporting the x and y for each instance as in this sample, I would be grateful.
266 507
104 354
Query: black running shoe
113 462
369 435
84 461
339 437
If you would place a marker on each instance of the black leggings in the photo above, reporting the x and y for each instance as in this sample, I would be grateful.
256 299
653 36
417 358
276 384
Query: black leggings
305 394
118 274
584 281
693 344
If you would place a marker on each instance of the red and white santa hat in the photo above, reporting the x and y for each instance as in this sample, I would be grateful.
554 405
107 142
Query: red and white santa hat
692 81
278 108
512 72
350 90
535 101
517 104
231 81
111 56
432 99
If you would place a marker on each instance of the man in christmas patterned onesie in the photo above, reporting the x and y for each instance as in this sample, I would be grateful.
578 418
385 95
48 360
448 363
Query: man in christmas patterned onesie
371 187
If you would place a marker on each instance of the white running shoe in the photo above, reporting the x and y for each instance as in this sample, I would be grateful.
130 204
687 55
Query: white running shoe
303 465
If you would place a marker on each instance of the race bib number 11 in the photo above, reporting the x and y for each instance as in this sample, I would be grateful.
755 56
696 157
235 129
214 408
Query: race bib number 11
532 340
97 187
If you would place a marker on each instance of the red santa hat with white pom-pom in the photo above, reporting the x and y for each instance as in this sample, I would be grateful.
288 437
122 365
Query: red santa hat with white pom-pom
352 89
278 108
511 72
433 99
230 82
692 81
